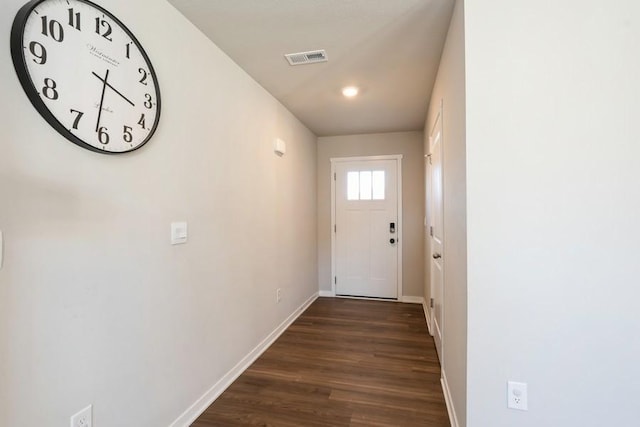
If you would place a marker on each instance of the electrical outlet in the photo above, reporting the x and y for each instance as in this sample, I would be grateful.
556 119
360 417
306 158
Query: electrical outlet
517 395
83 418
278 294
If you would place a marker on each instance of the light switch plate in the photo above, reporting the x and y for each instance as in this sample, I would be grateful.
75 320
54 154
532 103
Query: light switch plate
179 233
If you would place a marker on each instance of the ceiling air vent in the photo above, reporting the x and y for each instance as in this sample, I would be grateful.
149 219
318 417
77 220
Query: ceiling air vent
306 57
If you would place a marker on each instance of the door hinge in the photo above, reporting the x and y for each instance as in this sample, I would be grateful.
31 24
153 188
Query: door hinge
431 231
335 228
335 280
334 176
431 303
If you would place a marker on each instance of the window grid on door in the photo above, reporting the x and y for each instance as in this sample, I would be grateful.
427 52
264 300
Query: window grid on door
366 185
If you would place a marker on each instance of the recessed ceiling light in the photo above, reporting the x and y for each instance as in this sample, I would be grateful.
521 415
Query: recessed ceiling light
350 91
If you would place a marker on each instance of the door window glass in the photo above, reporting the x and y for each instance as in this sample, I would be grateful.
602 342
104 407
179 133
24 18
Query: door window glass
366 185
378 185
353 186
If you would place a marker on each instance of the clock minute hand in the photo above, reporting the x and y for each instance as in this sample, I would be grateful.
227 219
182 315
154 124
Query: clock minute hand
104 88
113 88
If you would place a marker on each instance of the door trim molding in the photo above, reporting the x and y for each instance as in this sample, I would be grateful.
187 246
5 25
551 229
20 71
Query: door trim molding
437 125
438 121
334 161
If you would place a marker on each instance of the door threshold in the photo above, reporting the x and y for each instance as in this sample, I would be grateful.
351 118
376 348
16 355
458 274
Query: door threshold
366 298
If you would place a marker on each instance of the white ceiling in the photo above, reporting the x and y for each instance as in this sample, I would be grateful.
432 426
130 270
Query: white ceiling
389 48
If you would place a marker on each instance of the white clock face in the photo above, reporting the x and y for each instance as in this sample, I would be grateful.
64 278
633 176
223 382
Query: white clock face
85 70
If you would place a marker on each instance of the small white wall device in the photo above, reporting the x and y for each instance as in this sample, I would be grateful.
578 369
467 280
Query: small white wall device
179 233
279 147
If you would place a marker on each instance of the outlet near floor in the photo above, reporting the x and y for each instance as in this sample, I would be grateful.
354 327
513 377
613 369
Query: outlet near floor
83 418
278 294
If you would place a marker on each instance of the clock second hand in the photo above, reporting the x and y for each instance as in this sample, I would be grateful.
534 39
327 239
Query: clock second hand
104 88
113 88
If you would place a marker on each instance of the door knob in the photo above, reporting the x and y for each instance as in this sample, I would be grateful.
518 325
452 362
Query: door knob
437 255
392 241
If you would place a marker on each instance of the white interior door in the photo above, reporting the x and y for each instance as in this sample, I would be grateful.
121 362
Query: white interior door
427 242
366 229
436 231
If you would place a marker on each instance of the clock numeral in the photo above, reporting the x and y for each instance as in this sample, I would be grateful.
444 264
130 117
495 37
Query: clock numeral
127 136
107 31
74 19
128 50
148 104
142 121
103 136
143 79
78 117
39 52
52 28
49 89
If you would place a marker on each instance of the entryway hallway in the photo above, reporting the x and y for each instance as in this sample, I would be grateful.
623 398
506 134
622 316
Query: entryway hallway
343 362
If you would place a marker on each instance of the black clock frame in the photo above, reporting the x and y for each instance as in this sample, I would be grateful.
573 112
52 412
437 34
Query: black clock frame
19 63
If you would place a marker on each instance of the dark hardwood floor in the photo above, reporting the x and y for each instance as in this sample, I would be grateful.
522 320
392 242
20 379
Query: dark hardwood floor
341 363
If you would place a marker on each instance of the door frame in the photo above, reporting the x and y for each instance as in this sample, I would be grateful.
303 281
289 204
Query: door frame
437 125
334 161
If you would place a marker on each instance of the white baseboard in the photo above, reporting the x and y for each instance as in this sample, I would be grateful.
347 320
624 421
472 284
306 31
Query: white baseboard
448 400
200 405
326 294
411 300
427 315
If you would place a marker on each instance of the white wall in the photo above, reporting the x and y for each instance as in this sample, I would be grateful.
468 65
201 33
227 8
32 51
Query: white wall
553 207
450 90
409 144
95 305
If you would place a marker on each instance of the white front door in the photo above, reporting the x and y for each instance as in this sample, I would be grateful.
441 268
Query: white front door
366 228
436 230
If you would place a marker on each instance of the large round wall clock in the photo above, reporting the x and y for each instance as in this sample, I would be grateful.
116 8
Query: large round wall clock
86 74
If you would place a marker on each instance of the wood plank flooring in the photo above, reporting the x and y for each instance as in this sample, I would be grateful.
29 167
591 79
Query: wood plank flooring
341 363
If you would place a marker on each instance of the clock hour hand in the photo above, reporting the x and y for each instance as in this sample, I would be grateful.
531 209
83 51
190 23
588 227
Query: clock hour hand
104 88
113 88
